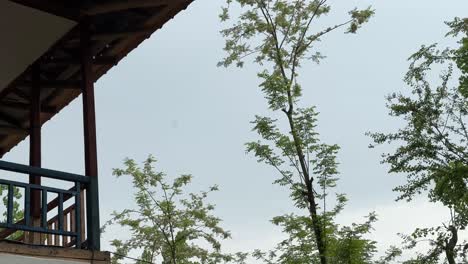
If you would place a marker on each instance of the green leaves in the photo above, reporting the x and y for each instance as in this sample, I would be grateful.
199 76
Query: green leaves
345 244
279 32
166 222
431 149
275 88
349 245
358 18
278 149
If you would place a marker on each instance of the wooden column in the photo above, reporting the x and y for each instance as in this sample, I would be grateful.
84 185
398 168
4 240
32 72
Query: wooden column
35 149
90 149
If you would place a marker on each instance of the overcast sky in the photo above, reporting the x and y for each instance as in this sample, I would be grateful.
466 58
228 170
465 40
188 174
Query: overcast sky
169 99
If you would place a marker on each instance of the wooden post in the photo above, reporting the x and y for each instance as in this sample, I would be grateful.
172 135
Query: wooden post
35 149
90 149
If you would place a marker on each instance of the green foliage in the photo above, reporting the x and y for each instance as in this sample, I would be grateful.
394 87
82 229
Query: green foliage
167 223
349 245
17 213
279 31
345 244
432 147
460 26
279 35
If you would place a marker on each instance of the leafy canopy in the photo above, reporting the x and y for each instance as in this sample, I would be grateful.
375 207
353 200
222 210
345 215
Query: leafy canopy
431 149
167 223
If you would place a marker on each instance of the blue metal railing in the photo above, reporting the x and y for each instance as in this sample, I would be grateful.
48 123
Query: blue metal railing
80 182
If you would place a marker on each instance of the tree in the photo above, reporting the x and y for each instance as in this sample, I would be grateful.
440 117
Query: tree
431 150
278 35
167 223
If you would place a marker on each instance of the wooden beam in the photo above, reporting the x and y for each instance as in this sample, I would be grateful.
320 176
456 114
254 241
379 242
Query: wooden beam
117 34
125 5
90 144
54 84
35 150
10 120
103 60
8 130
121 34
21 94
57 8
87 89
25 107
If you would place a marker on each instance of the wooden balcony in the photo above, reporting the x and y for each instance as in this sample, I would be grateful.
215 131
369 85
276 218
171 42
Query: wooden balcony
73 226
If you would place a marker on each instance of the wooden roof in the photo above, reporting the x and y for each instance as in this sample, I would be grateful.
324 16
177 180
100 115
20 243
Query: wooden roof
117 26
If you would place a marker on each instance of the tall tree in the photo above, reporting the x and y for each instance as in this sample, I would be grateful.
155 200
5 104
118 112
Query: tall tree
431 149
167 223
281 35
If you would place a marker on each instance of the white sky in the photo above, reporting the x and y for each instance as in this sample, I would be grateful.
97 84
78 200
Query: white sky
168 98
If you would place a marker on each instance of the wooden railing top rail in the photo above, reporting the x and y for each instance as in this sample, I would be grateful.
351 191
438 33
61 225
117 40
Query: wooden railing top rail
53 174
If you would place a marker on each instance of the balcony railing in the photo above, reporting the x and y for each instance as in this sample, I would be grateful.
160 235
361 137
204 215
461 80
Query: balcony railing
66 228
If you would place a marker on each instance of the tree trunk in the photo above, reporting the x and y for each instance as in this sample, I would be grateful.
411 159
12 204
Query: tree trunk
316 223
450 245
173 256
317 226
450 256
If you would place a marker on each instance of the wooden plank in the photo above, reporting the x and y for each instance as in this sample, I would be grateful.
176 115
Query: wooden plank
125 5
25 106
56 237
72 220
10 120
12 130
6 232
66 211
21 94
83 215
53 252
65 227
105 60
107 36
49 237
19 259
53 84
